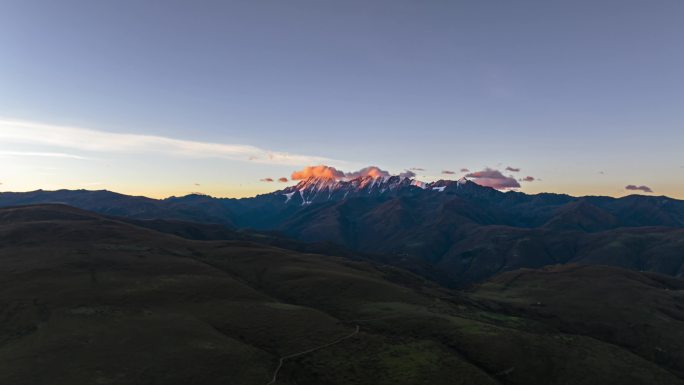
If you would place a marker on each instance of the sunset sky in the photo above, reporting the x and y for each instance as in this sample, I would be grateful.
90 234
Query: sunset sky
165 98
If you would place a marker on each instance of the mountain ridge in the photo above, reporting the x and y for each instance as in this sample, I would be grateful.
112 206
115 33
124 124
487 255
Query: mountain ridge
314 189
465 231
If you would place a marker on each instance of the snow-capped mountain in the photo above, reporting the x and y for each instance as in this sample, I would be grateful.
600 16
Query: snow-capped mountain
317 189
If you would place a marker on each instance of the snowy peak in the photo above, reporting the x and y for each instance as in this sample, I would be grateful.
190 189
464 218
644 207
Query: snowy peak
317 183
316 189
322 189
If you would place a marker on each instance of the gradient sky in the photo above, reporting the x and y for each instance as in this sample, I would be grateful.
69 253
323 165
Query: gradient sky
214 96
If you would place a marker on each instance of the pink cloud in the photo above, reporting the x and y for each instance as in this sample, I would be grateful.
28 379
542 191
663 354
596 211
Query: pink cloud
642 188
371 171
320 171
465 170
512 169
327 172
493 178
283 180
266 180
448 172
527 179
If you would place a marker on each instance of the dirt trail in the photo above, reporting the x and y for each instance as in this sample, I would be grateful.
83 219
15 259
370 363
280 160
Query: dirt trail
290 356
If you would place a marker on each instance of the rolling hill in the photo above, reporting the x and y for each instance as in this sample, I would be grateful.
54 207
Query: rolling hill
93 299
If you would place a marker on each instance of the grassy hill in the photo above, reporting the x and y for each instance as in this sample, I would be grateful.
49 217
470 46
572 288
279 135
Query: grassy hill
87 299
642 312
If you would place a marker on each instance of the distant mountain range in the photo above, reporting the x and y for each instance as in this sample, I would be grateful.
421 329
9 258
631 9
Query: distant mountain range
464 232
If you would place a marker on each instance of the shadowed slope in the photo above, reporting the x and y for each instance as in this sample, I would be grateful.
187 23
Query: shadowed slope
96 300
642 312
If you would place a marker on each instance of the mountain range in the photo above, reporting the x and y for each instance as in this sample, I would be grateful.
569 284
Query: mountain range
456 232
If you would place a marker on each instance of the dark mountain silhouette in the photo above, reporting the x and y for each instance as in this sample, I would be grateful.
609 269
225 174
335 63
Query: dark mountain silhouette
198 208
458 230
582 216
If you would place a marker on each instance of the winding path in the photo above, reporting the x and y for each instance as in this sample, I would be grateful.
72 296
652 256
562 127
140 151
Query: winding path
290 356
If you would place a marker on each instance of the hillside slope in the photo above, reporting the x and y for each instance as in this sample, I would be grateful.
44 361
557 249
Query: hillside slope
641 312
96 300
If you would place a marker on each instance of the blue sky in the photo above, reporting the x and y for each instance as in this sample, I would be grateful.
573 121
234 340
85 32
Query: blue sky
587 96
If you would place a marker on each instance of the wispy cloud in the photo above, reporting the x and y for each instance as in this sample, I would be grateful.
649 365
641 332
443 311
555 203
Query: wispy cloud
41 154
83 139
